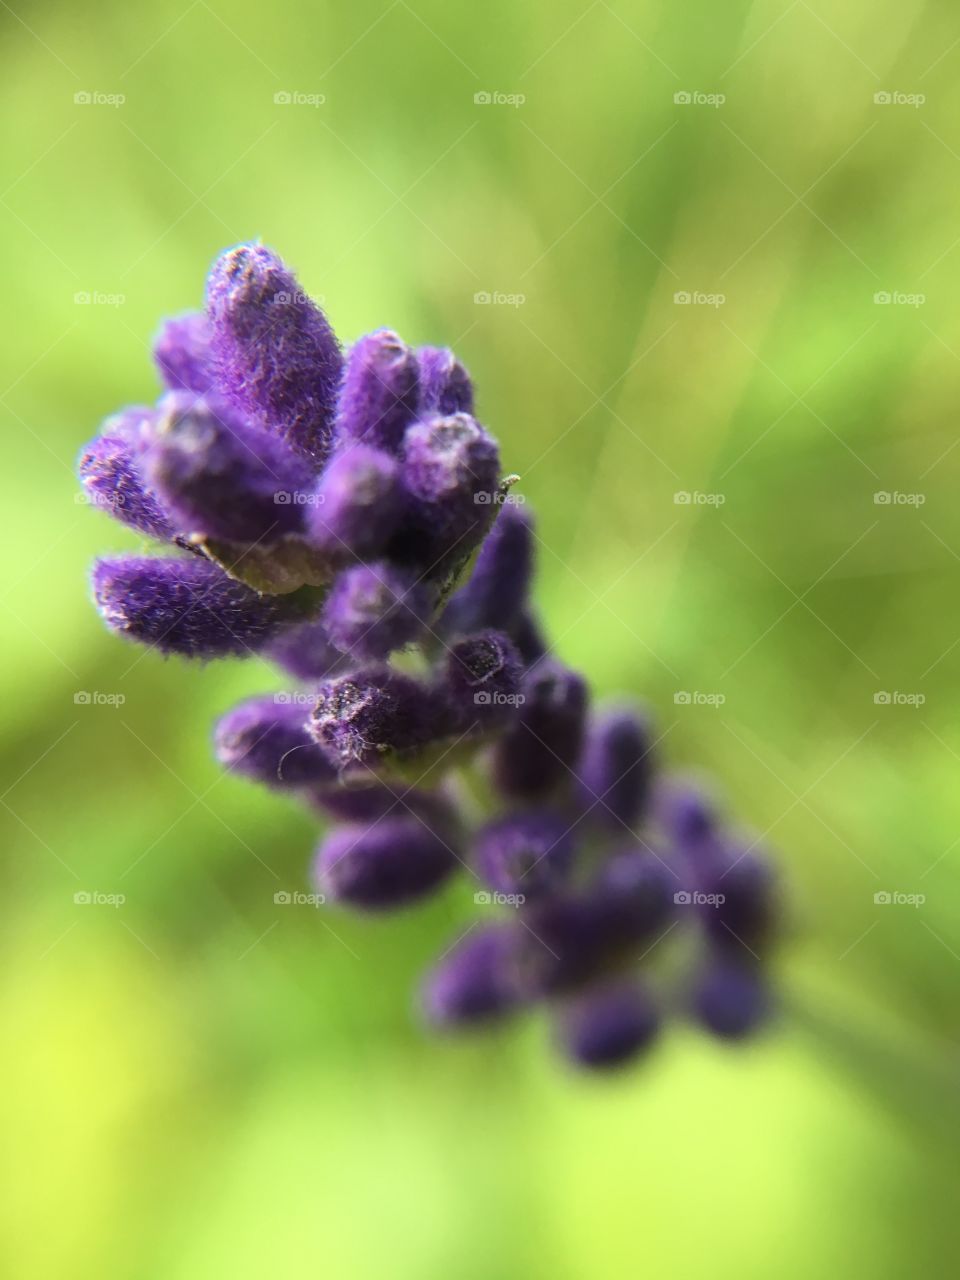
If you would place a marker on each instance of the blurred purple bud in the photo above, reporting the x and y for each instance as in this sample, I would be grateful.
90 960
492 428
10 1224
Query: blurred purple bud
500 583
525 853
304 650
373 609
608 1026
528 637
182 352
394 862
731 1000
357 503
379 394
445 385
265 739
744 916
474 981
276 356
540 750
221 477
183 606
616 768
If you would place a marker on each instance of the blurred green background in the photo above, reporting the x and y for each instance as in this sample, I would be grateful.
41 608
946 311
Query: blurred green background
201 1083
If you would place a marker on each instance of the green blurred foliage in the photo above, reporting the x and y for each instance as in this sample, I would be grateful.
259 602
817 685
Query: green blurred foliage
199 1083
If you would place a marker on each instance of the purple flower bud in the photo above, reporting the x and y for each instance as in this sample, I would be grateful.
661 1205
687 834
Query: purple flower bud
541 749
371 802
474 981
360 717
616 768
221 477
265 739
525 853
451 474
445 385
182 352
357 503
638 891
608 1026
572 938
498 587
109 469
379 394
183 606
731 1000
374 609
481 681
392 863
743 919
528 637
304 650
686 815
276 356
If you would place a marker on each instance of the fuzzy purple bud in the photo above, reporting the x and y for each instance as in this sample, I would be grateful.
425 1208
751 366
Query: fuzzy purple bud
361 717
481 683
379 395
221 477
276 356
182 352
451 474
445 385
608 1026
731 1000
304 650
527 635
185 606
109 469
392 863
540 751
741 912
529 854
265 739
500 583
616 769
356 504
474 981
687 816
373 609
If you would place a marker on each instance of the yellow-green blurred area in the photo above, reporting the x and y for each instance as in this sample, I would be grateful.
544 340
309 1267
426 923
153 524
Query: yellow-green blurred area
722 250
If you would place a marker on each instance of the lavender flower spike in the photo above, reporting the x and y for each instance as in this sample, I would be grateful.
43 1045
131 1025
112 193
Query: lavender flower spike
378 398
186 606
276 356
353 498
182 352
388 865
221 477
265 739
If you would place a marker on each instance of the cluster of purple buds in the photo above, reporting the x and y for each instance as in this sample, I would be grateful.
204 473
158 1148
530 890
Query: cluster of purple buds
346 517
